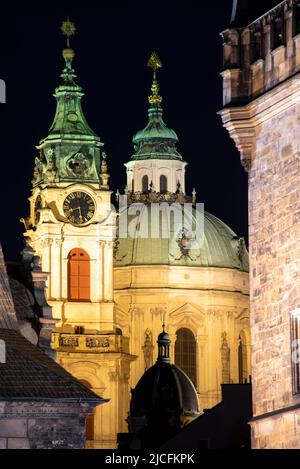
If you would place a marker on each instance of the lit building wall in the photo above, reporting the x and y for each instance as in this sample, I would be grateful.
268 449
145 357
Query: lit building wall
209 302
262 111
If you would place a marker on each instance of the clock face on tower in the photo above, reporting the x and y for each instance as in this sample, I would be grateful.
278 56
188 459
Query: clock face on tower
79 208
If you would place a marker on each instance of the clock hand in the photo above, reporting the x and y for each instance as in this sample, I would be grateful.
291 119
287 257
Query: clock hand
73 209
80 214
79 209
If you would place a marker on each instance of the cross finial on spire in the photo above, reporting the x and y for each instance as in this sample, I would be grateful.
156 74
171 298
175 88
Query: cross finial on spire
155 63
68 29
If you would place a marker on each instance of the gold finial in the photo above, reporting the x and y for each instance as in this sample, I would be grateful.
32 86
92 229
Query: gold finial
68 29
155 63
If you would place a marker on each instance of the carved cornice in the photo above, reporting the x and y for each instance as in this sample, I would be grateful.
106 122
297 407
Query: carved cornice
242 122
158 197
96 343
47 242
158 311
242 131
188 309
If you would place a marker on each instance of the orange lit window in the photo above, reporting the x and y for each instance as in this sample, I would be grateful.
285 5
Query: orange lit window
78 275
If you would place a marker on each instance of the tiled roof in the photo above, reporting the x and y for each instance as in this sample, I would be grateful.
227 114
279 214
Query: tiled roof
30 374
8 319
22 298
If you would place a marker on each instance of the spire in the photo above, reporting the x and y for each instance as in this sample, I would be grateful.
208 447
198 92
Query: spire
163 342
155 63
68 74
156 140
71 150
69 118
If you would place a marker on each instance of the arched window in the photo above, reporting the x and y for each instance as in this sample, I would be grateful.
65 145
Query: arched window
145 184
163 183
78 275
89 422
185 353
242 359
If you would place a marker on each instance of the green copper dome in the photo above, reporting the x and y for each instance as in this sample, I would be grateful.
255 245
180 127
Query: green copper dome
221 247
69 120
155 129
156 140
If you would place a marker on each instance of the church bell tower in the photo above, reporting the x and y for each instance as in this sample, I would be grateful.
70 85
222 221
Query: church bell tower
71 228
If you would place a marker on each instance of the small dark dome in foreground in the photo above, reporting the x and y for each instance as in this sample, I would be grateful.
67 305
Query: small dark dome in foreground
164 388
163 400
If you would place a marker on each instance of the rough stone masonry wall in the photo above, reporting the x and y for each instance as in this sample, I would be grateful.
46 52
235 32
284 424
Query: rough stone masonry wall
274 244
279 432
38 425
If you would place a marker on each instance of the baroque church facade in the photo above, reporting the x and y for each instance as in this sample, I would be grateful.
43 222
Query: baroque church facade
109 289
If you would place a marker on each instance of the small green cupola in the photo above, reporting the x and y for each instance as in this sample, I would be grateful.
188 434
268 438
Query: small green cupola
156 166
156 140
71 151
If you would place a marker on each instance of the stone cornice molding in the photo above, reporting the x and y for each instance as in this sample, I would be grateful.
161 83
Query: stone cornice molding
242 122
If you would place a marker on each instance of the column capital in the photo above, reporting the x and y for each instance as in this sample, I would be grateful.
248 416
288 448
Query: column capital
57 242
109 244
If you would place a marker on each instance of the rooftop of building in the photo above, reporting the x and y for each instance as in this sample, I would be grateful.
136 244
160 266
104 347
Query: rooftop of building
26 372
29 374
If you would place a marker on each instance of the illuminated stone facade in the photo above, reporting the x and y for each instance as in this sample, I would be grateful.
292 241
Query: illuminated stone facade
261 114
109 294
71 229
206 301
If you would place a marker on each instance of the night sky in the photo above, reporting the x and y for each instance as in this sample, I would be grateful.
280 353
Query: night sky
113 43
